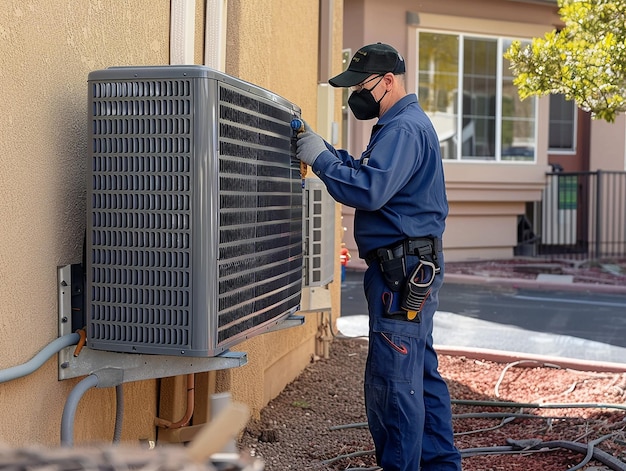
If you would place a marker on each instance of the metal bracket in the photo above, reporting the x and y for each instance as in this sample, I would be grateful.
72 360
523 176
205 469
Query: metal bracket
64 290
290 321
114 368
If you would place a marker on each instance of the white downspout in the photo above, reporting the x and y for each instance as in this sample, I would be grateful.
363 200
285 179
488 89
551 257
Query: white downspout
215 34
182 31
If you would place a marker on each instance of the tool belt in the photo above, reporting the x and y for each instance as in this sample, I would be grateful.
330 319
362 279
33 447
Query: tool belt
421 247
414 287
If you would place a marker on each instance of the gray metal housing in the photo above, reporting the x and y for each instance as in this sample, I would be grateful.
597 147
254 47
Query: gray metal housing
194 211
319 222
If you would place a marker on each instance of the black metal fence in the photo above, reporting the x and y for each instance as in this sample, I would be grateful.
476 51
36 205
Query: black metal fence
581 215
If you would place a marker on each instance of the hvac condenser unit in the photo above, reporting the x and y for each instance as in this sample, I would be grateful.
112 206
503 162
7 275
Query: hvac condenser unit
319 230
194 212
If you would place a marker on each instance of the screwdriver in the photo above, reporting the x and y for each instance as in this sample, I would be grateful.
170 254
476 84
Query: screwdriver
298 126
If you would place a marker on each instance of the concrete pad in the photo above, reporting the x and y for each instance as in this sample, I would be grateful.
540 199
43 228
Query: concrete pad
550 278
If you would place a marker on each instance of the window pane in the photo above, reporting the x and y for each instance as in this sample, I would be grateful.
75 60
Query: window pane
562 124
518 117
438 77
490 109
479 98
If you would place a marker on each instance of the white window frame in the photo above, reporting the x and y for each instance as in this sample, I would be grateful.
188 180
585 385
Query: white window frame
498 108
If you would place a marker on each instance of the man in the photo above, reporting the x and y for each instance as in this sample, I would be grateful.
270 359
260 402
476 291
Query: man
398 190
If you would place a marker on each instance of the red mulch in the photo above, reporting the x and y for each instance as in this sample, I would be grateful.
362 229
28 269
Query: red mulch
298 429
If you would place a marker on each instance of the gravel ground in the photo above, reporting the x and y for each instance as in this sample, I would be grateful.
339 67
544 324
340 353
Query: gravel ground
316 419
316 423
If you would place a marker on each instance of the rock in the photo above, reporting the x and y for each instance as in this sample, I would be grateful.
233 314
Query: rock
268 435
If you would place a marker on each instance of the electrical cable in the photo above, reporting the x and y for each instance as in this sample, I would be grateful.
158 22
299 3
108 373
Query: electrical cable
498 450
475 415
355 454
69 411
347 426
517 447
597 454
590 451
502 415
119 413
590 405
504 421
515 363
520 447
536 446
375 468
39 359
545 365
67 421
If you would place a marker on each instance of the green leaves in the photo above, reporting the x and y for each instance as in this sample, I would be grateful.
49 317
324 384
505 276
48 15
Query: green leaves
585 61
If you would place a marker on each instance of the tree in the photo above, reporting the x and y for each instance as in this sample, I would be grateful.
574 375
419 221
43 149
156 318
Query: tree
585 60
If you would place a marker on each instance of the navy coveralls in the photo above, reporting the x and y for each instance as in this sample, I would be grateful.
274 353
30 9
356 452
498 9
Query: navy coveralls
398 190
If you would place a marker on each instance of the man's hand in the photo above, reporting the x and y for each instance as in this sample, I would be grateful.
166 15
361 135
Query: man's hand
309 146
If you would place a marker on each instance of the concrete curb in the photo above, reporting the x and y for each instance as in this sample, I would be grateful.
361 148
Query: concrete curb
501 356
533 284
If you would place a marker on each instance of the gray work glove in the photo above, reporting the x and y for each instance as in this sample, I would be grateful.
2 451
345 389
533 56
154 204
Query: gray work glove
309 146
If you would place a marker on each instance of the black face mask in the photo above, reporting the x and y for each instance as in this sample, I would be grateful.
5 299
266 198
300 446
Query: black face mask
364 105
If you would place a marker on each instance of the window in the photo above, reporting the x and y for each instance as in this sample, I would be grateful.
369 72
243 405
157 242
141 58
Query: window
486 121
562 134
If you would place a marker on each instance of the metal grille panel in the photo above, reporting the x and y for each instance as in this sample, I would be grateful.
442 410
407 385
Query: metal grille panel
195 217
260 236
320 256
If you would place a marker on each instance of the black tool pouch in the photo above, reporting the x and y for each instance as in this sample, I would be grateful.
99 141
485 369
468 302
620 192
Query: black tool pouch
417 286
393 269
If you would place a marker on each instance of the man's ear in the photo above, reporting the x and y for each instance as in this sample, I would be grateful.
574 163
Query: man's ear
389 80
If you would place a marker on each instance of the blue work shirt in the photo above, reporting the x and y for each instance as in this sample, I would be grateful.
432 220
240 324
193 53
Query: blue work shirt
397 186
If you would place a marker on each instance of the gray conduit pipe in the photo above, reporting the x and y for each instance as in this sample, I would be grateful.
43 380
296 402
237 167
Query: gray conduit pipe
39 359
69 411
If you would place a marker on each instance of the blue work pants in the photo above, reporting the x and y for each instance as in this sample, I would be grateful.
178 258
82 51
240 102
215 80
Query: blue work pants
407 401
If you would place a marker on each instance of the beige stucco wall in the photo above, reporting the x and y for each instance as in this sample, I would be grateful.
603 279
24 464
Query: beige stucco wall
485 197
47 50
608 145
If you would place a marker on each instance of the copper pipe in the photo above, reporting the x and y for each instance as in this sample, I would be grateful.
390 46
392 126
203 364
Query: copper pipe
191 379
81 342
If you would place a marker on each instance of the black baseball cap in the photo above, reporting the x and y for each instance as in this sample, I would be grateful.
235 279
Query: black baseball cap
376 58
